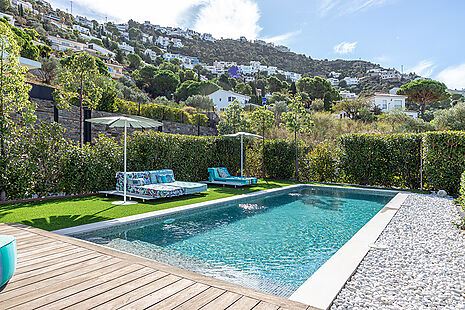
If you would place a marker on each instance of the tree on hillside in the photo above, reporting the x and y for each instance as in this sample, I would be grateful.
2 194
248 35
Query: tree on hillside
351 107
49 70
165 83
190 88
4 5
451 119
319 88
296 120
78 86
134 61
200 102
244 89
14 97
233 120
135 34
273 84
423 92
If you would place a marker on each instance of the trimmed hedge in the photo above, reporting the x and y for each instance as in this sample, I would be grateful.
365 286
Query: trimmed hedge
320 164
444 159
188 156
382 160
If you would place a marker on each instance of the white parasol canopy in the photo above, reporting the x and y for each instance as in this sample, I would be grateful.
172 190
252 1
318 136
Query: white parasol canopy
126 121
242 135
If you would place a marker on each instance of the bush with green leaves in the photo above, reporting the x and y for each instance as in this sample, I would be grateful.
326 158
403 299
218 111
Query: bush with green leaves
382 160
444 159
320 164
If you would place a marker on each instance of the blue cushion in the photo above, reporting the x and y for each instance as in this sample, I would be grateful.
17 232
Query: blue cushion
153 178
169 178
137 182
162 179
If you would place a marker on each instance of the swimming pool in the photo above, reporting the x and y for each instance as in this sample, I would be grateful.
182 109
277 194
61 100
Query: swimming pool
271 243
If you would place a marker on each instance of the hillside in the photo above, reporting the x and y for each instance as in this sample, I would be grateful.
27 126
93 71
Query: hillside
244 52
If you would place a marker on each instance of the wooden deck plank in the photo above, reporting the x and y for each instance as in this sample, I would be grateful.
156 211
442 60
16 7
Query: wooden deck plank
155 297
56 255
118 291
29 274
139 293
66 288
201 299
180 297
62 273
96 290
48 262
244 303
265 306
43 252
222 302
53 281
56 272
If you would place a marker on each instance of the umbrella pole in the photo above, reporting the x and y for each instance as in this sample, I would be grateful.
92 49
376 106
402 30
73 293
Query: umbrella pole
125 179
242 155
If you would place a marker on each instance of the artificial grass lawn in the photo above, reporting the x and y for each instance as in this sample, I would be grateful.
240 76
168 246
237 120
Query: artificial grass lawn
63 213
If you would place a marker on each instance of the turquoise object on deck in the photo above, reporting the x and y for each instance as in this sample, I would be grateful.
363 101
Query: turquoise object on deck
7 258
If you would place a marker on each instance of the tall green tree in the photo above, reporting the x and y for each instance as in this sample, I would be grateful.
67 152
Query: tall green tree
244 89
14 96
165 83
351 107
200 102
319 88
423 92
4 5
261 120
134 61
296 120
233 119
78 86
273 84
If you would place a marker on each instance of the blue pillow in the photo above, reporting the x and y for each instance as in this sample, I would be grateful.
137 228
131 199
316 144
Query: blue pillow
162 179
153 178
136 182
169 178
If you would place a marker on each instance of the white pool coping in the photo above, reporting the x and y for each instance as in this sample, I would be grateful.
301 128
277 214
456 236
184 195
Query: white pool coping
323 286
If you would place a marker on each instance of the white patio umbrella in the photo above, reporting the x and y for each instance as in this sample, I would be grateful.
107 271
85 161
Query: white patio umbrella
242 135
126 121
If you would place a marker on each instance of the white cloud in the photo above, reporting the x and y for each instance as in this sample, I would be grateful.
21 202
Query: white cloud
424 68
345 47
221 18
453 77
346 7
282 38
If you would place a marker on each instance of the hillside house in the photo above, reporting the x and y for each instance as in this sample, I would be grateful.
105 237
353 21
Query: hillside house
223 98
60 44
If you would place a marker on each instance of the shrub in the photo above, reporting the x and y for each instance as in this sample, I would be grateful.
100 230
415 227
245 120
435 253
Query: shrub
199 119
383 160
320 164
444 160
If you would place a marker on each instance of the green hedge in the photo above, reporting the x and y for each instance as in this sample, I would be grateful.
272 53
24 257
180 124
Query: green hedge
320 164
444 159
382 160
155 111
41 162
188 156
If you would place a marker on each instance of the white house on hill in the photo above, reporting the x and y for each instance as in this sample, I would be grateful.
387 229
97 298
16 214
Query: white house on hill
392 103
223 98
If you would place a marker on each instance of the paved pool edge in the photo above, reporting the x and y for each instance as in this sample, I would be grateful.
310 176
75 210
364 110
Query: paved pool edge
323 286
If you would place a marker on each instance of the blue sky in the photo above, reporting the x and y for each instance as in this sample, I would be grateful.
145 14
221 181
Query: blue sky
424 36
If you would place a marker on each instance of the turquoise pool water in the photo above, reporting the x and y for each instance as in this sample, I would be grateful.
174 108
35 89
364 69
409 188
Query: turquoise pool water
273 243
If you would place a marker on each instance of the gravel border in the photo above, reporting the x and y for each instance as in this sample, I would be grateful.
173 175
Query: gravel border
420 264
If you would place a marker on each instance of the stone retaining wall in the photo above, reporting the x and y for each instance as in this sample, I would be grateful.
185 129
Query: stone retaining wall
70 121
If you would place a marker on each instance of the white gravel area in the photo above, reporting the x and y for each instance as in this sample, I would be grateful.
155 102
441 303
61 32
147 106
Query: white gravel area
422 267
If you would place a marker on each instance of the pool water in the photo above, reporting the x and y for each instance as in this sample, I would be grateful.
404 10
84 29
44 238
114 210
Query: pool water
273 243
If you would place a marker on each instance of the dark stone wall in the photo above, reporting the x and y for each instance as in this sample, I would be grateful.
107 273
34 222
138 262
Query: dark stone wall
70 121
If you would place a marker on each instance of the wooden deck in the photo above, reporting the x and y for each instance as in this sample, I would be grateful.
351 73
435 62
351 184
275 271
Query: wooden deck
56 272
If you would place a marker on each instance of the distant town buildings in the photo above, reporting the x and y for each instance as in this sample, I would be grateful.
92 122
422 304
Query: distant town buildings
333 81
84 21
345 94
81 29
115 70
351 81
